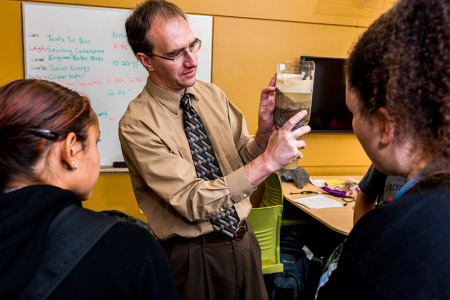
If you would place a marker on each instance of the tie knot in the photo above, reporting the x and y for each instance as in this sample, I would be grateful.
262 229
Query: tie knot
185 105
184 102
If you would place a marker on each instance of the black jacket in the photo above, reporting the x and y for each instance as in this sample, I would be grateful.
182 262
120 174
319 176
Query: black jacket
397 251
126 263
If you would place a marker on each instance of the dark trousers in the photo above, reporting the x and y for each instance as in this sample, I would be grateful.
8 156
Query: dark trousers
217 270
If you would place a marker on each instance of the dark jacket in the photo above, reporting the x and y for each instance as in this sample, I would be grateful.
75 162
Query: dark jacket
398 251
126 263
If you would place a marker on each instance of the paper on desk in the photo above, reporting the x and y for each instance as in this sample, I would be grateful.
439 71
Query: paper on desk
318 182
318 202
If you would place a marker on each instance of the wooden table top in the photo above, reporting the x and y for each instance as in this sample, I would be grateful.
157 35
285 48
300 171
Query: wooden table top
339 219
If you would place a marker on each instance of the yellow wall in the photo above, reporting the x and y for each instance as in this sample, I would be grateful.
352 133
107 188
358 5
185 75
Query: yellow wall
114 192
249 37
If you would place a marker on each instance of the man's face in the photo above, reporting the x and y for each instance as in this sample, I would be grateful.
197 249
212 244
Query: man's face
169 37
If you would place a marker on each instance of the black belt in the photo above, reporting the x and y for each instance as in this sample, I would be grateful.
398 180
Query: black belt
211 238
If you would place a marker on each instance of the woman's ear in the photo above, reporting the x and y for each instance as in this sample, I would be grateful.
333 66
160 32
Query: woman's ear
386 126
143 58
69 150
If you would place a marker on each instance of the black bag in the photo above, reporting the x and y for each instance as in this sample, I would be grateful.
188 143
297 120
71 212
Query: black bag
301 270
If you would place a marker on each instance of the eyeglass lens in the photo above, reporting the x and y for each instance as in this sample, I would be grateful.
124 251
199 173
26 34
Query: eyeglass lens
192 48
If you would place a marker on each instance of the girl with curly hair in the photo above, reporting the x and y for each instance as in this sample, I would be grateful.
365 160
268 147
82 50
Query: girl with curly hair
398 89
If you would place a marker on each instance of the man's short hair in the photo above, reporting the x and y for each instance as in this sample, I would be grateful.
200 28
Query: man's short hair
138 24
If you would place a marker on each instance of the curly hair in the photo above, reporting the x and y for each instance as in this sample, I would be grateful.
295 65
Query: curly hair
402 63
37 104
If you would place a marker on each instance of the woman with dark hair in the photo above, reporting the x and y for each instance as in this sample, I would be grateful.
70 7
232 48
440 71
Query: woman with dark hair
49 163
398 89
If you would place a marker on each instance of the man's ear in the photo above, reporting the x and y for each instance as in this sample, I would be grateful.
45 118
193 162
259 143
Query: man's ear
69 150
386 126
145 61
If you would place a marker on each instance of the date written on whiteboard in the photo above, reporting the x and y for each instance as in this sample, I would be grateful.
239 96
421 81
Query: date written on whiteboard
126 63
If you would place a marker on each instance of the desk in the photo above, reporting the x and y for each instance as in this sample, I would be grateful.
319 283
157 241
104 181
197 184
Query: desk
340 219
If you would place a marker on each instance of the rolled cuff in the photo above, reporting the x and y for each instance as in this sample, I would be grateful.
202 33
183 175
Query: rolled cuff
251 151
239 184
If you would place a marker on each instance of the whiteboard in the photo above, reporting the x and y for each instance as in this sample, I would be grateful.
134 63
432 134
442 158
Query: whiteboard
86 49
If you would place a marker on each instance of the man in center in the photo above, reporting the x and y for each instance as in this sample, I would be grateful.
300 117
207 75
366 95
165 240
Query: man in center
193 164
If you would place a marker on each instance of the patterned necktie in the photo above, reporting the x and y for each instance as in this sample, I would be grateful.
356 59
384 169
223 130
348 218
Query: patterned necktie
205 163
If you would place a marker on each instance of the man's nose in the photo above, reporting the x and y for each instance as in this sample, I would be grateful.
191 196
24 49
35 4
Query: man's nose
190 59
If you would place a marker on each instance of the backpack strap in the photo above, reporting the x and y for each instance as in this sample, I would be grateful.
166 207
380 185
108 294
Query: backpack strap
71 235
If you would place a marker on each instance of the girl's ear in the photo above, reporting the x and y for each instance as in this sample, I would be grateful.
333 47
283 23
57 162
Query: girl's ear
69 149
143 58
386 126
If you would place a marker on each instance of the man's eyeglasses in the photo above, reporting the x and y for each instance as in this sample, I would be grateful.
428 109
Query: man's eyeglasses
180 54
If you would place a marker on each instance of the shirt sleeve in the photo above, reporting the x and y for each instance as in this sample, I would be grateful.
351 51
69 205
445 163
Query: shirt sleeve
373 182
167 174
244 143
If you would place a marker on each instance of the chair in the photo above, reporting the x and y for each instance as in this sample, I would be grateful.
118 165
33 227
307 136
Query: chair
273 191
266 223
273 195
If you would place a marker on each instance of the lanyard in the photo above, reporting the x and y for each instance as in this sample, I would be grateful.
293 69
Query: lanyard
407 186
414 180
11 190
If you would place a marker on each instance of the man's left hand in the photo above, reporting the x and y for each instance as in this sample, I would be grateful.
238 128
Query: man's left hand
266 124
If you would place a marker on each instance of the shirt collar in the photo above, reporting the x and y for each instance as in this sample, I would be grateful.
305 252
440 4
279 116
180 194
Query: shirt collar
169 99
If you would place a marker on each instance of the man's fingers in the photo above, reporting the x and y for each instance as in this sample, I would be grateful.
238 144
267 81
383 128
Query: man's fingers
268 90
294 120
301 131
273 81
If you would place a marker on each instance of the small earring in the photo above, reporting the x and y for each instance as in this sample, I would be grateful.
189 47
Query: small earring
74 165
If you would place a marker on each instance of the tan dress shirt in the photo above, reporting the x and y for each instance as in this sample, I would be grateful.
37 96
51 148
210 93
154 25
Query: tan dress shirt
162 172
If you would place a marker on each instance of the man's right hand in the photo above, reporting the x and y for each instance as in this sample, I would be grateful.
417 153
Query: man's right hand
282 147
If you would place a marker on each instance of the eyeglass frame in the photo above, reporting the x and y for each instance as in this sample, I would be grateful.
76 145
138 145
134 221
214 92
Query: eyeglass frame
195 43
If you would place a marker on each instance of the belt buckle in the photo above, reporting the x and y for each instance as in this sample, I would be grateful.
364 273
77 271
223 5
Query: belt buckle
240 232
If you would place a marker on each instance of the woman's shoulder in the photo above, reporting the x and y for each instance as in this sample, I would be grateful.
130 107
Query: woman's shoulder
128 235
128 231
401 221
126 258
